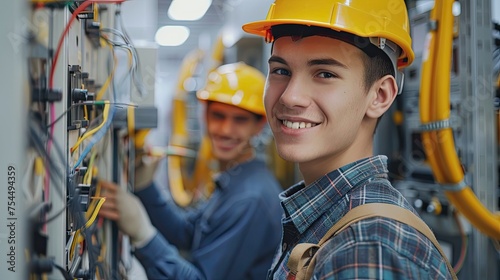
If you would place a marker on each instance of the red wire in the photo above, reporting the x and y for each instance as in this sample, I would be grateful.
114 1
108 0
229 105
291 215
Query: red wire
463 250
78 10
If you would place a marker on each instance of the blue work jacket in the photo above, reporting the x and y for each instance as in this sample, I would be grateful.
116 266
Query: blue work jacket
233 235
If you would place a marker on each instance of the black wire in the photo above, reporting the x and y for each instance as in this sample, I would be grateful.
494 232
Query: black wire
64 273
55 216
39 145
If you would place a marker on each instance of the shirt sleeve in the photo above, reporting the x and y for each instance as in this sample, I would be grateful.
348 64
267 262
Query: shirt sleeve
174 223
161 260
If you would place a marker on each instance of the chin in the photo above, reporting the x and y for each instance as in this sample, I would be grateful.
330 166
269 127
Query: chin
290 154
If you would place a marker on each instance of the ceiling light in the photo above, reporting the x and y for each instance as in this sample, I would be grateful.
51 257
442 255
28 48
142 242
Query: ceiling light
171 35
188 9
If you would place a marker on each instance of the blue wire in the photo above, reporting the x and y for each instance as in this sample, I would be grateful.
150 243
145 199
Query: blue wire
97 137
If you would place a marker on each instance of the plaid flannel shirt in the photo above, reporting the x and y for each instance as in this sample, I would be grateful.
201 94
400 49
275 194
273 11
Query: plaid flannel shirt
375 248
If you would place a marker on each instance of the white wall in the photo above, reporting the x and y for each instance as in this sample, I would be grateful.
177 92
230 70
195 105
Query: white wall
241 12
141 19
495 10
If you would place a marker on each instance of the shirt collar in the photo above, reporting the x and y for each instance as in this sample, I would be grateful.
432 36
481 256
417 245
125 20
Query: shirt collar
232 176
304 204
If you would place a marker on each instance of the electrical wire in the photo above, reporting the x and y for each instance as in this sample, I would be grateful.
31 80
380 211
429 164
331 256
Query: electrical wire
102 131
38 140
439 145
134 62
74 201
132 54
87 178
57 52
63 272
463 247
87 103
92 131
100 202
105 87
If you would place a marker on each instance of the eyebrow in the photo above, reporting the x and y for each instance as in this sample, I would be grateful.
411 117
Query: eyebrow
320 61
326 61
277 59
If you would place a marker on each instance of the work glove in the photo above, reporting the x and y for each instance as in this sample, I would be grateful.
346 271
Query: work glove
128 212
145 166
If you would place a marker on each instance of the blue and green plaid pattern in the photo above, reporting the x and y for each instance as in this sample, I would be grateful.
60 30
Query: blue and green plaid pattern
375 248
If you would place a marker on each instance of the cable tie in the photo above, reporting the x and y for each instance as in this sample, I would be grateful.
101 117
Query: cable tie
437 125
454 187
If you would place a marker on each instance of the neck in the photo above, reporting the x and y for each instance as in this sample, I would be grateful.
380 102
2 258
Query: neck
225 165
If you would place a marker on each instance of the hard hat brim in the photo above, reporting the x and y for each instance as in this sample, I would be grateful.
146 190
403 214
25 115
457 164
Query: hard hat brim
260 28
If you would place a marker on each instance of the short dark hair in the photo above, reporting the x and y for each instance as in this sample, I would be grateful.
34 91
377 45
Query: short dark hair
377 63
376 67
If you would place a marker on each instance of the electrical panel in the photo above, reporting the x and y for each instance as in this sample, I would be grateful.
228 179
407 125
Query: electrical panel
472 122
84 106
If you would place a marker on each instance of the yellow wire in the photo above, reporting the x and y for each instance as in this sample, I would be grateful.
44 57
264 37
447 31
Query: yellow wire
96 12
90 169
439 145
91 132
85 113
93 203
95 212
76 239
111 75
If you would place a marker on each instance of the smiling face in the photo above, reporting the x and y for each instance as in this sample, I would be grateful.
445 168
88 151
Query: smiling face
230 129
321 114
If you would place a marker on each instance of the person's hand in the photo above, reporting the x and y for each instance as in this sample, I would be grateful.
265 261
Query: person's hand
128 212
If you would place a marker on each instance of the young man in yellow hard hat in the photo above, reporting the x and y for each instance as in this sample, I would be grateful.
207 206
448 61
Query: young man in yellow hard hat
334 70
234 235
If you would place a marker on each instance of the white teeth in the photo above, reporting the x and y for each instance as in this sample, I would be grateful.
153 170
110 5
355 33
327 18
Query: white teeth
297 125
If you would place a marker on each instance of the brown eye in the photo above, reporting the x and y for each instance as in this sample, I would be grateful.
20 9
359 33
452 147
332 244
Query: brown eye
327 75
217 116
281 71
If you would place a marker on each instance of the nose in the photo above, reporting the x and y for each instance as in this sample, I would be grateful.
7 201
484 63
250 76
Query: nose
226 126
296 93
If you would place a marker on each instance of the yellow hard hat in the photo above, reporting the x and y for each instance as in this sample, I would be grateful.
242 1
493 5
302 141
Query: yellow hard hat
236 84
386 20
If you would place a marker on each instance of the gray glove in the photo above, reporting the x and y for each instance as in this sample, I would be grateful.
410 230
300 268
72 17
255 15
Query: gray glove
145 169
128 212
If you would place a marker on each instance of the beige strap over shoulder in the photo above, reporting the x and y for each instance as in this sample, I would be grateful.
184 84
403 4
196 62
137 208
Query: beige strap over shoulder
302 259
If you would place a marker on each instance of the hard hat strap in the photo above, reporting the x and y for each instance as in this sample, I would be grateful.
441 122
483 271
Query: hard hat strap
393 51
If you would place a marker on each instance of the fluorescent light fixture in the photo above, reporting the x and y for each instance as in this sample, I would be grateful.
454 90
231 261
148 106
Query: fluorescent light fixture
188 9
171 35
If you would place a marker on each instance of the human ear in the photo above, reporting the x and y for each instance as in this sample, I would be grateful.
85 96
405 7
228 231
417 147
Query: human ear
383 92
